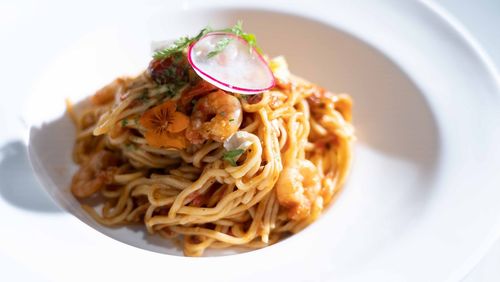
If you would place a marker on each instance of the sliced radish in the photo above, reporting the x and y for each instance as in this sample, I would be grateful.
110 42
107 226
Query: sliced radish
238 68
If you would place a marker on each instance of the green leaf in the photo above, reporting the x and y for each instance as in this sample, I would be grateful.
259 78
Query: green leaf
219 46
179 45
250 38
124 122
182 43
176 47
230 156
202 33
238 28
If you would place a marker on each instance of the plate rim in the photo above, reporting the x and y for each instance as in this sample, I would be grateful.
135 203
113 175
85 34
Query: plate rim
483 58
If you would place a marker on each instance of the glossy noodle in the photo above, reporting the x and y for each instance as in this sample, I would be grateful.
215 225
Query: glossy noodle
211 168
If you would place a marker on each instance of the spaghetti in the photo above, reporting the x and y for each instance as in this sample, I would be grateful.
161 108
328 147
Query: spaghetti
216 169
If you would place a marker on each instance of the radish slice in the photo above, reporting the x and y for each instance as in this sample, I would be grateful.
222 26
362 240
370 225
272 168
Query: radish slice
238 68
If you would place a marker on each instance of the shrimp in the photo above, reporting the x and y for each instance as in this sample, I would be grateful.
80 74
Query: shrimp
215 116
297 188
321 99
193 92
96 172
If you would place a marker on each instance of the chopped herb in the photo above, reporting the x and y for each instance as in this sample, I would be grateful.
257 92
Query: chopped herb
178 57
231 120
219 46
169 70
130 146
144 96
168 90
223 113
230 156
173 92
124 122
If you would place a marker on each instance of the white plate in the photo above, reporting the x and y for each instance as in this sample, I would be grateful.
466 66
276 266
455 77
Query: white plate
421 202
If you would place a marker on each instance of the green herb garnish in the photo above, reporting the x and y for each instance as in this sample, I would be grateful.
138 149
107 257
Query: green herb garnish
230 156
144 96
124 122
180 44
219 47
231 119
250 38
170 90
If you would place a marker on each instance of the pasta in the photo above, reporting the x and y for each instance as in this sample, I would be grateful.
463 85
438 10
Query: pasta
214 168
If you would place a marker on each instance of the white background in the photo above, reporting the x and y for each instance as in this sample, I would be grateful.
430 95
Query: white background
480 17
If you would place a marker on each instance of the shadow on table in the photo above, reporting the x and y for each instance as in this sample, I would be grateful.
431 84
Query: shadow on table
18 185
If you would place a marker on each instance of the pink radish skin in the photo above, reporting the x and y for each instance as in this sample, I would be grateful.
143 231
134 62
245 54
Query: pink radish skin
239 68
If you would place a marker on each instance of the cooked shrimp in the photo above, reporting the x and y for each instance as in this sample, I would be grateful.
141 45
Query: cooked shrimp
194 92
215 116
96 172
322 99
297 187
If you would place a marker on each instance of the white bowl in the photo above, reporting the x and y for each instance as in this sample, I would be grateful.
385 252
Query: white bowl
421 202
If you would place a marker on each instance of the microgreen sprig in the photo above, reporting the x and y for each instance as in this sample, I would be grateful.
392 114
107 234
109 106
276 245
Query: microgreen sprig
179 45
219 46
182 43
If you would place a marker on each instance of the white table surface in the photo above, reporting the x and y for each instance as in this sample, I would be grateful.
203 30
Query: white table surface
480 17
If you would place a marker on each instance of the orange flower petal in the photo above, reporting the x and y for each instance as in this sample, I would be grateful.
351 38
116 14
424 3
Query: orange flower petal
169 105
179 122
163 126
178 142
165 140
147 119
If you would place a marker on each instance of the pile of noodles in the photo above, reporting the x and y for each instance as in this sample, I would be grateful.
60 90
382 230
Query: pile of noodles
295 141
